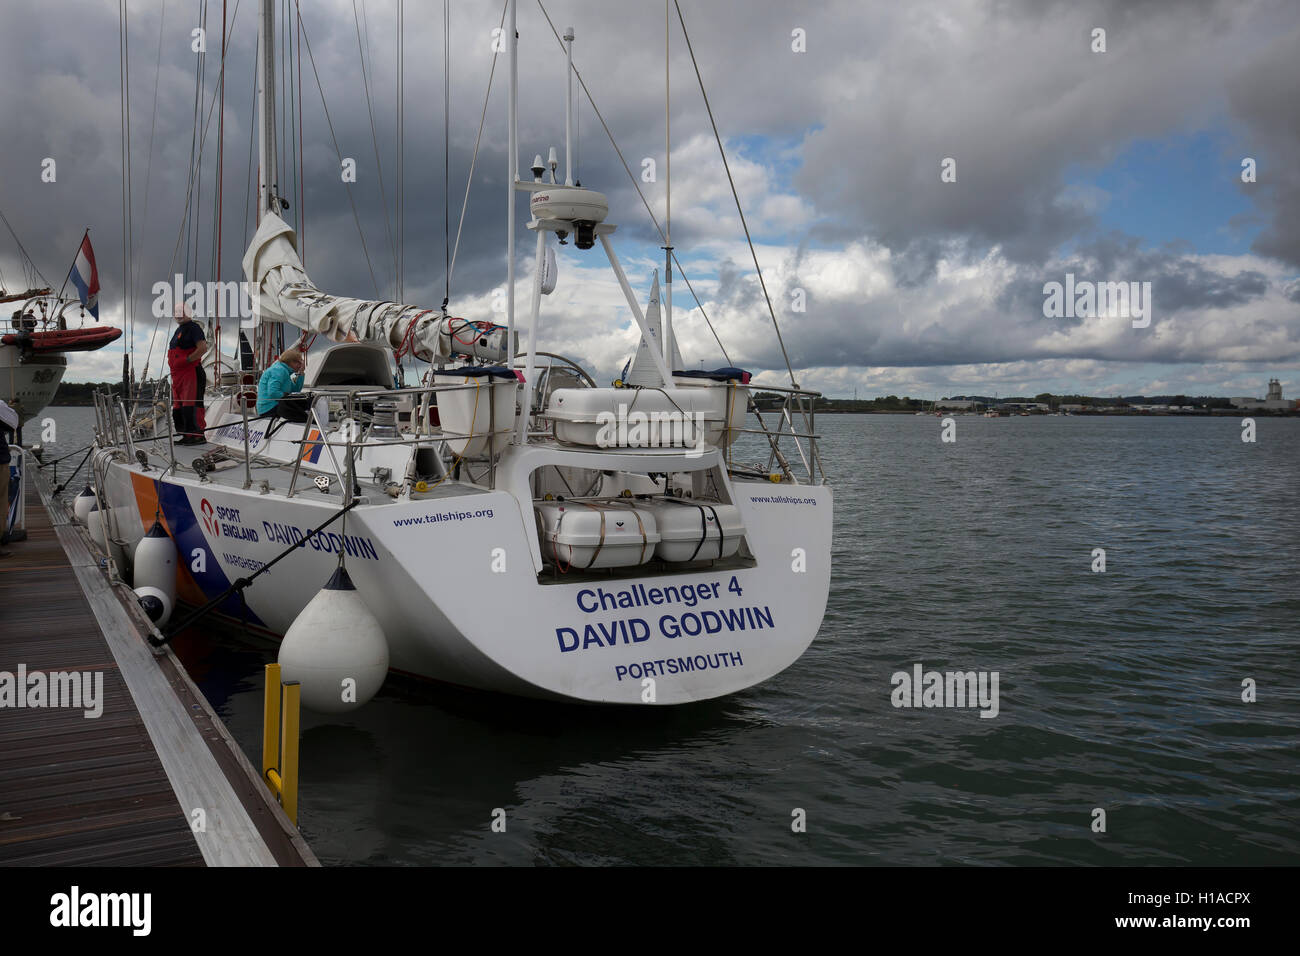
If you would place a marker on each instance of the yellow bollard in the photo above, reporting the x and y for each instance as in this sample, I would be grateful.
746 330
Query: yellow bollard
289 754
271 720
280 732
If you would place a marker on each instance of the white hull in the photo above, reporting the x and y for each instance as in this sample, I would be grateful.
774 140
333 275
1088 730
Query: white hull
463 599
29 385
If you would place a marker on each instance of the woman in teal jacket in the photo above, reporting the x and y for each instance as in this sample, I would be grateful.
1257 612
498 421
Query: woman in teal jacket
277 385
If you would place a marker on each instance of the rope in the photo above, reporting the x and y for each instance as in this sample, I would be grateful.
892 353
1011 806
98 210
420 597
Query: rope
241 583
408 337
55 461
704 525
64 484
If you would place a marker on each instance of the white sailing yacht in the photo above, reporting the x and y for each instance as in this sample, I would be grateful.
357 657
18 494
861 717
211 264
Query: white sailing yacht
506 524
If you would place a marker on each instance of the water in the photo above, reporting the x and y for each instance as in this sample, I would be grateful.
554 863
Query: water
1118 690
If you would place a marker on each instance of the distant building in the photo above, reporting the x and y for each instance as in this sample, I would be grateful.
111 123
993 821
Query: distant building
1274 401
957 405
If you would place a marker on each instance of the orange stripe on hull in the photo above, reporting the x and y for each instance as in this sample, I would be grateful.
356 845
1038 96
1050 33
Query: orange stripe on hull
146 500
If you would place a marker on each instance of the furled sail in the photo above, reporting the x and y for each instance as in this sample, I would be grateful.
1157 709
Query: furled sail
282 292
643 370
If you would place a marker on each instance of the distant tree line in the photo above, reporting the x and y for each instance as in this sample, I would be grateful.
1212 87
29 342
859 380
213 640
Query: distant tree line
79 393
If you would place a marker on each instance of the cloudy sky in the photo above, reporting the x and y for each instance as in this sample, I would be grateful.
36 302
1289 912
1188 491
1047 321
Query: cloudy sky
1117 166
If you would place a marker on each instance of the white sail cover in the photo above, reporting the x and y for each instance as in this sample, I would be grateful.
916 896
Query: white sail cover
282 292
643 371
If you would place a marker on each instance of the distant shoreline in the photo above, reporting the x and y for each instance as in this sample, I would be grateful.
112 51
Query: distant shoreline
1119 413
80 396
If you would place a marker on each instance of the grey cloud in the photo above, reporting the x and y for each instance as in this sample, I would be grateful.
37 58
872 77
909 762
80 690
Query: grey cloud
1263 95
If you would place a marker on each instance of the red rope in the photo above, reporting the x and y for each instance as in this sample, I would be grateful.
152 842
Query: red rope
408 337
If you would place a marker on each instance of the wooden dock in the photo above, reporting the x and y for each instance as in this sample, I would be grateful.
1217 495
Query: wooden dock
155 779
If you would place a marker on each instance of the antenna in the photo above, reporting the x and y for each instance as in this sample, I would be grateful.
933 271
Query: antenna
568 108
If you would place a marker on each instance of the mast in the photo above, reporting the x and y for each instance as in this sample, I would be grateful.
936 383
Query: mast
266 194
221 142
512 175
668 207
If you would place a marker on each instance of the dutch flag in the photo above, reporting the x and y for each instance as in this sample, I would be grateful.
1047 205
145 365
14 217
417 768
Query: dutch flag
85 276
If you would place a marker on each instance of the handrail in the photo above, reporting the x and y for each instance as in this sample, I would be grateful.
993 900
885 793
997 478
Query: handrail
795 422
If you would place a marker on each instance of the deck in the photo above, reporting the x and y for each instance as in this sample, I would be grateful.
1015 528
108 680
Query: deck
123 788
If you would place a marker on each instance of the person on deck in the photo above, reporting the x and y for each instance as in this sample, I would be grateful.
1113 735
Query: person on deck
184 353
276 388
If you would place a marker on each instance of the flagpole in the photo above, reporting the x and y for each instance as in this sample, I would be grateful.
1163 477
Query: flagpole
68 272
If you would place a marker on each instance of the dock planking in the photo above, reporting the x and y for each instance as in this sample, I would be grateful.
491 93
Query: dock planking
75 791
113 790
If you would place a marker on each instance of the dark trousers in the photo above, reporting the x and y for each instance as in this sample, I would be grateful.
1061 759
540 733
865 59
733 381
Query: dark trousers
185 419
200 414
291 409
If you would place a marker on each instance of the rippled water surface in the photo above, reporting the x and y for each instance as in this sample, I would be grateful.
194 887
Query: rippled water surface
1118 690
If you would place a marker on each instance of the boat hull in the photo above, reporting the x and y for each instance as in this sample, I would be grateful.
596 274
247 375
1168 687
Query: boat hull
455 585
29 382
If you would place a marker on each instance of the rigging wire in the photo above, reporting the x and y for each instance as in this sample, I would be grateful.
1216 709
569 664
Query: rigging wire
182 231
124 77
29 262
337 152
148 171
401 149
250 186
221 149
400 263
469 181
446 150
735 195
282 107
194 144
636 185
374 135
197 222
302 189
